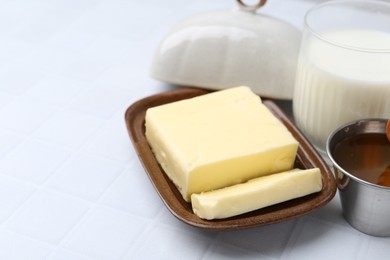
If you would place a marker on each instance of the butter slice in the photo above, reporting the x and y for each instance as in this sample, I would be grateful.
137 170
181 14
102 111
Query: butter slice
217 140
256 194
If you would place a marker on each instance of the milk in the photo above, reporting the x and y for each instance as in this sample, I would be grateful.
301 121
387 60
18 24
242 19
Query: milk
335 85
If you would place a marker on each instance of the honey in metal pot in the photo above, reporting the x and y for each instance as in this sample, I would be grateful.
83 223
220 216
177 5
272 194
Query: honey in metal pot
366 156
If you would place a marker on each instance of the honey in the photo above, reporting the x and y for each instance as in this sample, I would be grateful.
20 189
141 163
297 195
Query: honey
366 156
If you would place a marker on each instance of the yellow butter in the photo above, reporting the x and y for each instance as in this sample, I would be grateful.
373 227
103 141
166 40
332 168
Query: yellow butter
218 140
256 194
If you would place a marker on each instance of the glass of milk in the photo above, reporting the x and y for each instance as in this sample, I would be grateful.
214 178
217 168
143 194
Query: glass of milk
343 70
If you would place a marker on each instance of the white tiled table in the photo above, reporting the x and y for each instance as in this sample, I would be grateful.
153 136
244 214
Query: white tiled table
71 186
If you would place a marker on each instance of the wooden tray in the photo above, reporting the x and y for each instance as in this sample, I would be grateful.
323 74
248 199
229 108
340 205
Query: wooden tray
307 157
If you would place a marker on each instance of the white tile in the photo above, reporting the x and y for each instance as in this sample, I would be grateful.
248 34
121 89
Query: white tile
376 248
124 76
84 6
97 19
8 141
33 160
224 251
323 240
55 17
12 52
112 141
48 216
86 176
9 19
165 217
127 191
188 244
102 101
118 76
18 79
62 254
25 115
14 247
49 60
5 98
37 31
70 40
331 212
268 240
13 194
138 61
23 13
56 89
86 68
107 48
82 30
149 15
69 128
105 234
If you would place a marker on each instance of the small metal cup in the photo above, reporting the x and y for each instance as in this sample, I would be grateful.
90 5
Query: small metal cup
366 206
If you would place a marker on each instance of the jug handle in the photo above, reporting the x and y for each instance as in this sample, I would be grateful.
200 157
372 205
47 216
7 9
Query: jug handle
250 8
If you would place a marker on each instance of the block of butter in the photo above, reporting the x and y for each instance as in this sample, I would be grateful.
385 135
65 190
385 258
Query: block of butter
256 193
217 140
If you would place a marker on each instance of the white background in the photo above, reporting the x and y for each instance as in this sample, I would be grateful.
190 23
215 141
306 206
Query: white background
71 186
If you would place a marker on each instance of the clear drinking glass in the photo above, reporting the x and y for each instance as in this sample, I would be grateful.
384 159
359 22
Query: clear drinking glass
343 70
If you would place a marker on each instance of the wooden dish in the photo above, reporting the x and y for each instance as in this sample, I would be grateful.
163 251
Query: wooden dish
307 157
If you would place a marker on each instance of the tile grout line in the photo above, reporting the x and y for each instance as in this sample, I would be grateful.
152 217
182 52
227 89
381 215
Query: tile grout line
210 247
88 203
83 200
91 206
290 242
51 246
38 187
72 152
31 136
139 241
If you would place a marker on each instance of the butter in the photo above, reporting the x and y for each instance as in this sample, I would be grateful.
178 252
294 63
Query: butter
256 194
217 140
